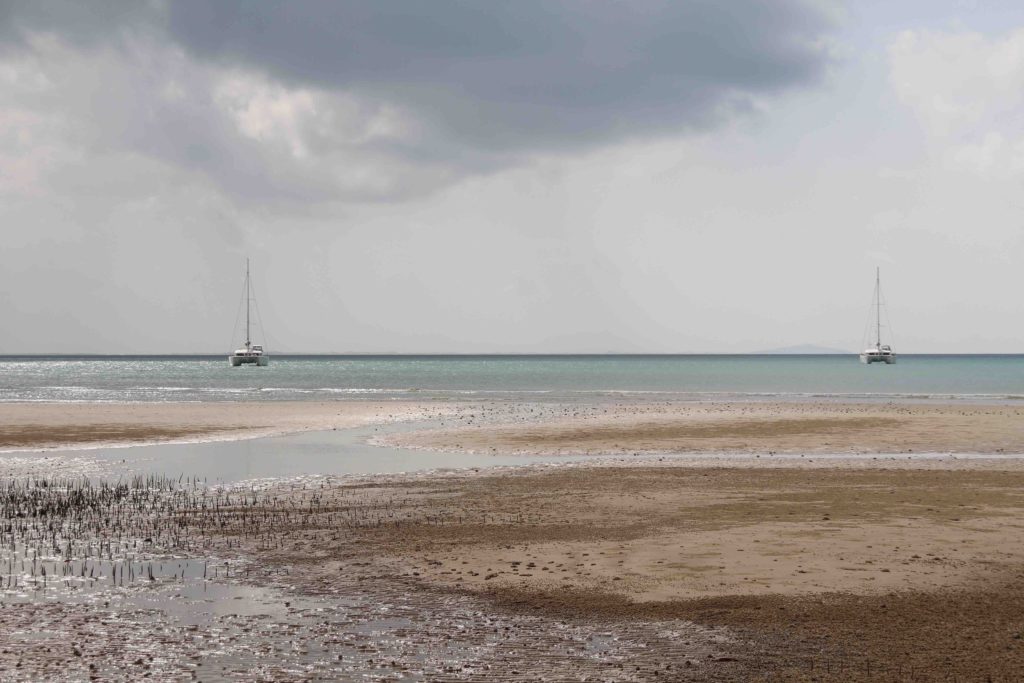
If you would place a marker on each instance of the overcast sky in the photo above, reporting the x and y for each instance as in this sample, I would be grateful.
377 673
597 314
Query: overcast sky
528 176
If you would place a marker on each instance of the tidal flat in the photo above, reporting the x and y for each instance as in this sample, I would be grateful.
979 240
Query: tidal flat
769 564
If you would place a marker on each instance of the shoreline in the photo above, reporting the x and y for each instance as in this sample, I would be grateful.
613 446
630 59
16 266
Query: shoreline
500 427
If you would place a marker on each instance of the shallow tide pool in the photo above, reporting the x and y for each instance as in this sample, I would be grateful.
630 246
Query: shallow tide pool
336 453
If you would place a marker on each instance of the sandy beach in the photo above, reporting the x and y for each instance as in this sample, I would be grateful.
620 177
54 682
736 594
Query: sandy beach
899 567
70 425
820 427
760 541
516 427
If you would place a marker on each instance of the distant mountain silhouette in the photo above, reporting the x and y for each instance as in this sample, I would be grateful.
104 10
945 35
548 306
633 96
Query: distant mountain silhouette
807 349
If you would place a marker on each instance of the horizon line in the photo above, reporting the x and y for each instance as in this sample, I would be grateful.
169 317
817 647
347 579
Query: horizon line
471 354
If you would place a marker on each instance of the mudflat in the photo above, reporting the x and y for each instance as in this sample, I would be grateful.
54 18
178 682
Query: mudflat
783 541
819 573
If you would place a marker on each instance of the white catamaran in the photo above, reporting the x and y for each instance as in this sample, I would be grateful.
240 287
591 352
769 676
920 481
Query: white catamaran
250 354
879 353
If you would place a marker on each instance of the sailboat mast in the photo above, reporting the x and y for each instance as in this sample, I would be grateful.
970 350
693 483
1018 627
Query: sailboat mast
878 308
248 298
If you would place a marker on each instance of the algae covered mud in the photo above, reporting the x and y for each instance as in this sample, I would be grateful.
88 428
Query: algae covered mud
611 540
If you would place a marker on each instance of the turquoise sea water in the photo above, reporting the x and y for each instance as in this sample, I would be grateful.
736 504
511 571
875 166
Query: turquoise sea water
692 377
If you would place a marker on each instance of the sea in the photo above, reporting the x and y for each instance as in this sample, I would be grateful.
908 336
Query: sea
517 377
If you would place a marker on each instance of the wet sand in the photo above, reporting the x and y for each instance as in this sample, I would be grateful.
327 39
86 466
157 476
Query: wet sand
69 425
645 573
524 428
814 548
795 427
817 573
657 534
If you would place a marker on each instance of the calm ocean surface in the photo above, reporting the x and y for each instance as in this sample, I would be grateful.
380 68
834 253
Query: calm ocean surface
209 378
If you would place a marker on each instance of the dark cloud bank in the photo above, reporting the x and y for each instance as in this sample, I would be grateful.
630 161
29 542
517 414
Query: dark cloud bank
526 72
486 83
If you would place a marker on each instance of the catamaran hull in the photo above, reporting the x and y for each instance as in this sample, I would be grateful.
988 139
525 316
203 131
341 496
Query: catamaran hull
260 361
868 359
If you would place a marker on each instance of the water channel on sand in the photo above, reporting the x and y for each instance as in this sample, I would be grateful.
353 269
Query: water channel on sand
337 453
95 584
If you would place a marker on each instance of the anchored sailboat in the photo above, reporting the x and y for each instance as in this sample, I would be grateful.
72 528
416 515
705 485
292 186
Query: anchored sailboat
879 353
250 354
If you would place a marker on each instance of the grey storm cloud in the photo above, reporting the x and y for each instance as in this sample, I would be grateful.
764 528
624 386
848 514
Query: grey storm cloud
529 72
476 86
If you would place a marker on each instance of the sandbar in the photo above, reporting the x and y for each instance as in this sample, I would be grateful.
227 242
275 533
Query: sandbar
39 426
755 427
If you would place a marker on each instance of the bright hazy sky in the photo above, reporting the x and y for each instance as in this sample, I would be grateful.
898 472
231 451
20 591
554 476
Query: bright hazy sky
528 176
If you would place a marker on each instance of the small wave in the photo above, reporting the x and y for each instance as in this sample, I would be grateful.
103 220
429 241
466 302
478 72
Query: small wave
228 390
286 390
361 390
492 392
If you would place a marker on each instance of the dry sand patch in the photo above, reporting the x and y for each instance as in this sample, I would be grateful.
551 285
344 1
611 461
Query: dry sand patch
35 435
